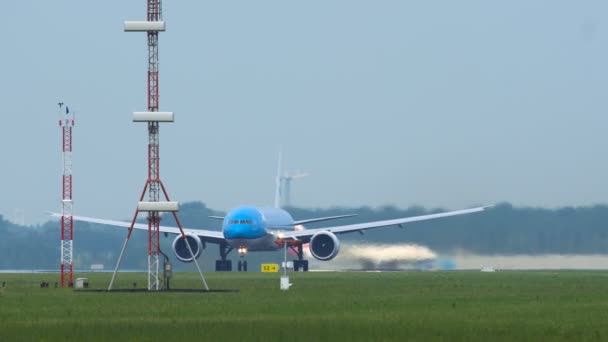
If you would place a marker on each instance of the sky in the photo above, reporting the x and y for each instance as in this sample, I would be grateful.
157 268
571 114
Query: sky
436 103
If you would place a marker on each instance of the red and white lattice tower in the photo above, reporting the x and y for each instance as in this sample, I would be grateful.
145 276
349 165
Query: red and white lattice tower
66 122
154 186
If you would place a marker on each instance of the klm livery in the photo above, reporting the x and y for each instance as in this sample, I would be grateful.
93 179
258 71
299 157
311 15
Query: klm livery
249 228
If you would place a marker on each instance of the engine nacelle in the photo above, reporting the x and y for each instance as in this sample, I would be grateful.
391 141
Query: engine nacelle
180 248
324 246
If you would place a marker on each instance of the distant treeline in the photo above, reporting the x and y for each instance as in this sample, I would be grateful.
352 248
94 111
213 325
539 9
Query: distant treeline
501 230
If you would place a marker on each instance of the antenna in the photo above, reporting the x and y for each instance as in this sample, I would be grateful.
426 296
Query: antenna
153 186
66 122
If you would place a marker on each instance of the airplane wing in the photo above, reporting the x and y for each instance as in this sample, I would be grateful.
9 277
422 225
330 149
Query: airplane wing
306 234
322 219
211 236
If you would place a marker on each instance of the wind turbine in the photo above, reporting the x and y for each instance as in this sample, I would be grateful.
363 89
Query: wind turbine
287 177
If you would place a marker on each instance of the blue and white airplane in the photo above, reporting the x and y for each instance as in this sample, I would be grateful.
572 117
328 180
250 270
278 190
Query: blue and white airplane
249 228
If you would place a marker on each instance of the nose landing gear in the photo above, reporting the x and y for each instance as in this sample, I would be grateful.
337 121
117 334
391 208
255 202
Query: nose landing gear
242 264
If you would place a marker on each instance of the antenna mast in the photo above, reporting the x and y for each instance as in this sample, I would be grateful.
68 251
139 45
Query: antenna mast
66 122
154 186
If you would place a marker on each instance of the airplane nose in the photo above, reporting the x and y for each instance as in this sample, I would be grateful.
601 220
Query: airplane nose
236 231
242 231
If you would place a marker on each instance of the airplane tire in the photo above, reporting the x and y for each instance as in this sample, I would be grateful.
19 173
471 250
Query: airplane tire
245 266
223 265
305 265
240 267
296 265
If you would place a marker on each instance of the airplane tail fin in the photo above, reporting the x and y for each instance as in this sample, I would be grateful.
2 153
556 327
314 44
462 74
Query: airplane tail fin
277 190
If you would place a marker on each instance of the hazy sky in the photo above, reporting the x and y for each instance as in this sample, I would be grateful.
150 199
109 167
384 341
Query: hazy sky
436 103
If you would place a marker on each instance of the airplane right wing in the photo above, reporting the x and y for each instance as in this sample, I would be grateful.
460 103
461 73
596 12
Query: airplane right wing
212 236
319 219
306 234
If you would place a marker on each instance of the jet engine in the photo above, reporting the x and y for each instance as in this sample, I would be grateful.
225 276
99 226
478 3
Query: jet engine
324 246
180 248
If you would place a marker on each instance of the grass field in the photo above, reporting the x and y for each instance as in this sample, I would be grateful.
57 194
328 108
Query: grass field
466 306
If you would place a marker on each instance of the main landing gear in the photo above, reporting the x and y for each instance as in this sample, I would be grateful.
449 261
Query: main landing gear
300 263
224 265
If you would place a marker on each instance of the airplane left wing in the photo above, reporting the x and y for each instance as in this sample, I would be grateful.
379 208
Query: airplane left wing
305 235
212 236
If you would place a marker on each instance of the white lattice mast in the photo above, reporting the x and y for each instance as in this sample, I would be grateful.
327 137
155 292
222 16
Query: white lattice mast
66 122
154 186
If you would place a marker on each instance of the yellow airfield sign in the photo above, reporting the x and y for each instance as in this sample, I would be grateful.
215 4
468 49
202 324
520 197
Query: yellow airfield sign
270 268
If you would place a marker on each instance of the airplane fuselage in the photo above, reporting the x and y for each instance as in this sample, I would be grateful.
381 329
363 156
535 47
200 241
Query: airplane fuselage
250 228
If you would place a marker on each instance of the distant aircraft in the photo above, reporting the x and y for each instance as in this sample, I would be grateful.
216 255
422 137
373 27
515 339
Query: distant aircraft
249 228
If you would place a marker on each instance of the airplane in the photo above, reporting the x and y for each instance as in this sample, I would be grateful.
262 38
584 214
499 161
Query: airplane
252 229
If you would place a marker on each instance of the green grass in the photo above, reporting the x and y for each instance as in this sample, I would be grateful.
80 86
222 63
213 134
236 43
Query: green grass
449 306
